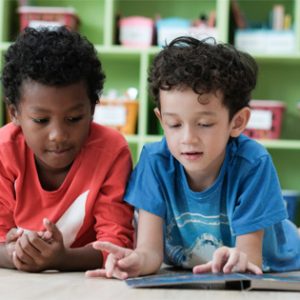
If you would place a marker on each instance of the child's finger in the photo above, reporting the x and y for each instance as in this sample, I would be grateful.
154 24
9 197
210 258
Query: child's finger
51 230
120 274
109 247
16 261
45 235
96 273
220 255
110 265
25 254
254 269
235 260
204 268
103 273
14 234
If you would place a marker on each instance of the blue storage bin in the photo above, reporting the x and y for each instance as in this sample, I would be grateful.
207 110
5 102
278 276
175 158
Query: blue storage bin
170 28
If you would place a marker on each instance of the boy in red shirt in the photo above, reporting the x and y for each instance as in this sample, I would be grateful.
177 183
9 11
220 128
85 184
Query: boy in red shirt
62 177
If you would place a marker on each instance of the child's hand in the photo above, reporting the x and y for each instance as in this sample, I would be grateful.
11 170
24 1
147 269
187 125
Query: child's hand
121 262
33 254
228 260
45 235
11 238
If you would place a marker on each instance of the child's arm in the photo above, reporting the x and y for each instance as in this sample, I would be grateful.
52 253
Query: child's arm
245 257
145 259
33 254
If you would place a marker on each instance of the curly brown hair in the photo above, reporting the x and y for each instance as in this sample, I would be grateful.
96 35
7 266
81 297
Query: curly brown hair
204 66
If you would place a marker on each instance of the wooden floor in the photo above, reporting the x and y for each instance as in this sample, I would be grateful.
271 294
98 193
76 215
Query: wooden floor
15 285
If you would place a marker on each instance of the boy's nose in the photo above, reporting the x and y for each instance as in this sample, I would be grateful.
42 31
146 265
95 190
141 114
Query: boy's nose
58 134
189 135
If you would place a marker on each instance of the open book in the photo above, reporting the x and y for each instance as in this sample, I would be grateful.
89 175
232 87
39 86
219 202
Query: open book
241 281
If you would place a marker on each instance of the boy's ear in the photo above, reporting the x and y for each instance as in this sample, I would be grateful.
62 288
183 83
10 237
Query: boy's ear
13 114
157 113
239 121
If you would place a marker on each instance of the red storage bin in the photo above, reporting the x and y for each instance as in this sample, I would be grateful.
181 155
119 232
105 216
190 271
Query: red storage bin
265 120
36 16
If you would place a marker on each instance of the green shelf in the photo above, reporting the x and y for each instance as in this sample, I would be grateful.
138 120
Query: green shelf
278 73
282 145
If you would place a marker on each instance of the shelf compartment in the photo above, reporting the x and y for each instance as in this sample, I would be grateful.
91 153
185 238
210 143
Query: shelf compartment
91 15
187 9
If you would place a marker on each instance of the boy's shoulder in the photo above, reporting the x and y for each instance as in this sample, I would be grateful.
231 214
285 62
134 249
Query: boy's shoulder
248 149
158 155
12 145
158 149
10 133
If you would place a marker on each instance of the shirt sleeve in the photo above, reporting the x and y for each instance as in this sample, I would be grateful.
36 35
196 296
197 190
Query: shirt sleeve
260 203
143 190
7 203
114 217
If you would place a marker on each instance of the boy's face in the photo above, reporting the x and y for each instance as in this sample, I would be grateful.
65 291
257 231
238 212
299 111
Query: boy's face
55 122
197 132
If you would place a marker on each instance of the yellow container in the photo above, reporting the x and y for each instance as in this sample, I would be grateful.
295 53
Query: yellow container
119 114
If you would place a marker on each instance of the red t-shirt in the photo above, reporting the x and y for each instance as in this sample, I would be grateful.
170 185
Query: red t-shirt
88 205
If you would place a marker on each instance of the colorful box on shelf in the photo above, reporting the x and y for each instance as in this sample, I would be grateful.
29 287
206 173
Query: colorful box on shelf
119 114
136 31
170 28
265 120
265 41
292 201
203 32
39 16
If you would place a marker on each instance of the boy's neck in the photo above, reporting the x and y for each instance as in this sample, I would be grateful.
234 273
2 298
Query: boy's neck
51 180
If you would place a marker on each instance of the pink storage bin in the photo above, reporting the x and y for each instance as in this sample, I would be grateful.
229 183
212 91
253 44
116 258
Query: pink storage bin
136 31
36 16
265 120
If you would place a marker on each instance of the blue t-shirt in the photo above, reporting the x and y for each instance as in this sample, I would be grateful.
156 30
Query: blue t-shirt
245 197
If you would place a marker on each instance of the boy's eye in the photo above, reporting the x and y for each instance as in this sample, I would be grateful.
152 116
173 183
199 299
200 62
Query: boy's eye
174 125
205 125
75 119
40 120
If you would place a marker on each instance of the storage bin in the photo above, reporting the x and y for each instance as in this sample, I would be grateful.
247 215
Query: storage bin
136 31
38 16
119 114
203 32
170 28
292 201
265 120
265 41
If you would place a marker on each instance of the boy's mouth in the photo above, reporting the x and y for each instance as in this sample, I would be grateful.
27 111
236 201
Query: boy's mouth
59 151
192 155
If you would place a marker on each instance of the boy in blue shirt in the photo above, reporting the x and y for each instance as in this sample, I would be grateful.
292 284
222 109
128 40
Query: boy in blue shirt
208 197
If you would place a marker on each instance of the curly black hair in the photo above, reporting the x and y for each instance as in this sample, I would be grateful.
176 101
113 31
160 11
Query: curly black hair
54 57
204 66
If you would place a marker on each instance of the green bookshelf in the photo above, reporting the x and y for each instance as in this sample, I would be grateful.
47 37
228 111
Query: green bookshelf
278 73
